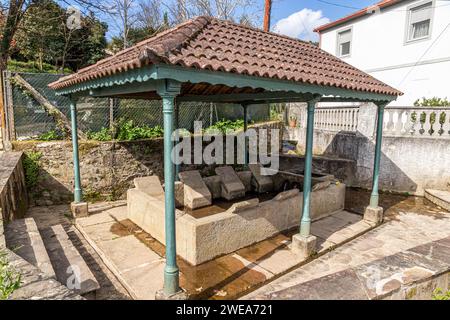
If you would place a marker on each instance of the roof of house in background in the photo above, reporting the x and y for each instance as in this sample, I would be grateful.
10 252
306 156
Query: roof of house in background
210 44
360 13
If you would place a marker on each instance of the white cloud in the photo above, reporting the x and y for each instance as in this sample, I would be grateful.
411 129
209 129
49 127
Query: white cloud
301 24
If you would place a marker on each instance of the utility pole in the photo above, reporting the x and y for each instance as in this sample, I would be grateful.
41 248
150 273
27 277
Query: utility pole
267 12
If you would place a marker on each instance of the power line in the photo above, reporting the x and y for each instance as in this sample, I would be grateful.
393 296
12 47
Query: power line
423 55
374 5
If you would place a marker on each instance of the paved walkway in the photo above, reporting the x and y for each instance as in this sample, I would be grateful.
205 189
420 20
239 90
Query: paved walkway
413 227
138 260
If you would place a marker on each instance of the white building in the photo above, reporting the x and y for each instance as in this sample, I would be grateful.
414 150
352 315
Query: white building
404 43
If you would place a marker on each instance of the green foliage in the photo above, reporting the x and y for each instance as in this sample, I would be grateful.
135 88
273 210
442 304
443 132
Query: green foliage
128 131
44 37
432 102
10 279
50 135
31 167
439 294
32 66
226 125
104 134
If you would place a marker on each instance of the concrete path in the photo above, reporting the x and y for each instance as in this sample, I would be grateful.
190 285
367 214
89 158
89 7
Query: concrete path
412 225
137 259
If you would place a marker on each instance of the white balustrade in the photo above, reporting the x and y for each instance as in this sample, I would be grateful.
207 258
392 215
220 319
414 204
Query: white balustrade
417 122
336 118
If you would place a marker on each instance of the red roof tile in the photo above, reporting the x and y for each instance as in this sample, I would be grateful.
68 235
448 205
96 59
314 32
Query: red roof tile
211 44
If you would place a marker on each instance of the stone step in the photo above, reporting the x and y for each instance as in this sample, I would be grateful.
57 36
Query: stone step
23 238
70 268
439 197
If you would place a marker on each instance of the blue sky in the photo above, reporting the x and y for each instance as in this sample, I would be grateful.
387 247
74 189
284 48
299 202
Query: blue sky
297 18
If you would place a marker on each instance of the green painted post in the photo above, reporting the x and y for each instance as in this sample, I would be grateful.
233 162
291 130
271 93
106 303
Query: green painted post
374 197
171 272
305 224
76 162
245 137
177 126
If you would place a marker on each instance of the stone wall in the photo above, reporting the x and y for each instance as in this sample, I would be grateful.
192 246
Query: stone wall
13 193
408 164
107 168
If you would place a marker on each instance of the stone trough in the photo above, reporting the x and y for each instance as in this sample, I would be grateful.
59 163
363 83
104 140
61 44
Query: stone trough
240 220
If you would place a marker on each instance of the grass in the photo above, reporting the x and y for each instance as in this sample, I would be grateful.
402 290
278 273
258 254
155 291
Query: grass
10 279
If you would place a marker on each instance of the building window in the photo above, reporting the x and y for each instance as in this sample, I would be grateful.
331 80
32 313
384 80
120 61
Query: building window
419 22
344 42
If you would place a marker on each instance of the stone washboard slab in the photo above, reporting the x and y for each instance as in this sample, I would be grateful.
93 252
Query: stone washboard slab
232 186
196 193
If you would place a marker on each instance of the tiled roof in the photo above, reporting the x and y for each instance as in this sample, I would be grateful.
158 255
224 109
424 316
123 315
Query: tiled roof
211 44
365 11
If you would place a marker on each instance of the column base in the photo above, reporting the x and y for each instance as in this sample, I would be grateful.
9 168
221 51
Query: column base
304 247
373 215
180 295
79 209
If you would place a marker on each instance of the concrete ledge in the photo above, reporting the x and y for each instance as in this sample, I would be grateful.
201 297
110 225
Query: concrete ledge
245 223
439 197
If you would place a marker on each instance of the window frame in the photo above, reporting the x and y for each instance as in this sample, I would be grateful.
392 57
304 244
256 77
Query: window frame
338 45
408 21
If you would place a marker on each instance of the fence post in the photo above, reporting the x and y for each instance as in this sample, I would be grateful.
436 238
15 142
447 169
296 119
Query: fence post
111 112
10 123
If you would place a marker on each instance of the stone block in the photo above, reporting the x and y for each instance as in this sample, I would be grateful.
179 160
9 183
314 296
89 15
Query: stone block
196 193
214 184
246 178
150 185
79 210
232 186
262 183
373 215
179 194
304 247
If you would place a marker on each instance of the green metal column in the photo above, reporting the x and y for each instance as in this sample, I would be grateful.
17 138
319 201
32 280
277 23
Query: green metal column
245 137
177 126
305 224
76 162
376 163
168 92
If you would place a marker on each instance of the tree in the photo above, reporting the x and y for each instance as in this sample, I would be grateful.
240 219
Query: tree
123 10
45 36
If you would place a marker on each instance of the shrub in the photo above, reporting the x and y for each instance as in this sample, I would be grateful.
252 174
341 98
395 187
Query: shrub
10 279
127 131
104 134
439 294
224 125
31 168
50 135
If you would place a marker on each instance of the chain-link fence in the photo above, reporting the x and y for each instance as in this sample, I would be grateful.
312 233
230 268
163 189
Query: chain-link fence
27 119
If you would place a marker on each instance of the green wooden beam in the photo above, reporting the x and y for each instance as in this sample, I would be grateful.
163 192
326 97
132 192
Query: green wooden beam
305 223
374 197
76 162
274 97
168 91
192 75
